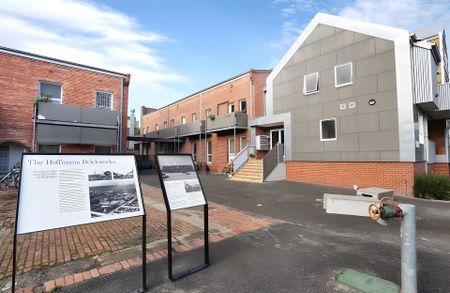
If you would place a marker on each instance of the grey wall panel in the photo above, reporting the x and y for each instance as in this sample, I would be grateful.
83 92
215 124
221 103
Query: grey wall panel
97 136
99 116
53 134
390 156
324 157
379 141
388 120
363 131
59 112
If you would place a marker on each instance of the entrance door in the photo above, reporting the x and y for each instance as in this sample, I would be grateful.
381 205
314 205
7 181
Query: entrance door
276 136
231 151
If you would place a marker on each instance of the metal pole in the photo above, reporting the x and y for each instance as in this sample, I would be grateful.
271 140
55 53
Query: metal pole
169 243
144 252
206 234
409 256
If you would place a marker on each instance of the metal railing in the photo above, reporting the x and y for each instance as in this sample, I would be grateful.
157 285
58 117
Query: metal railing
242 157
272 159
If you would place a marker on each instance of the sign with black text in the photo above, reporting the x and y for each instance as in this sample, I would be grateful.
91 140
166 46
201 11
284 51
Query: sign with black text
65 190
180 181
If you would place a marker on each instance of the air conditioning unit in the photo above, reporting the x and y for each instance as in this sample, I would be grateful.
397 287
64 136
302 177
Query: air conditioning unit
262 142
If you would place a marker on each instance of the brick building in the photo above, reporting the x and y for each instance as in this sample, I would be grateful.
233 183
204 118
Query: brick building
350 103
80 108
362 104
211 124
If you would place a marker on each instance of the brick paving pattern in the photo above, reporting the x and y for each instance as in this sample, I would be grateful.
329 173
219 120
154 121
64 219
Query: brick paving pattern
57 246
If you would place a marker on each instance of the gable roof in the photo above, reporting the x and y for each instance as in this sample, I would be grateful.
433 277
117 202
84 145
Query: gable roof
371 29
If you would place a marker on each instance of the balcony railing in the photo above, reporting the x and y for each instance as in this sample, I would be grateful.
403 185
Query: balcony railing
69 124
233 120
443 102
183 130
243 157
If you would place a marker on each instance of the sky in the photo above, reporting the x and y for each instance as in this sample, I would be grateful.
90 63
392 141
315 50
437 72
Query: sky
175 48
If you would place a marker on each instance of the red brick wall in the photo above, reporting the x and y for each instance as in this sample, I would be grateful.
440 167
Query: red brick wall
439 168
19 85
231 92
393 175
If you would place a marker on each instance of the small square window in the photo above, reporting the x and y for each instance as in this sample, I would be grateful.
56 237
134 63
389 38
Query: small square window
103 100
311 83
328 129
51 90
343 74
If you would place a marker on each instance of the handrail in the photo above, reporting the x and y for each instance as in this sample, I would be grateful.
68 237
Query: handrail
242 157
272 159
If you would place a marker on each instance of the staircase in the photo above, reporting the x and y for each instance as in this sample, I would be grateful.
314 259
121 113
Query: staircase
251 171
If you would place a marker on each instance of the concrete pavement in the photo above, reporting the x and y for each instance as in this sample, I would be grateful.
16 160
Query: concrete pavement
304 253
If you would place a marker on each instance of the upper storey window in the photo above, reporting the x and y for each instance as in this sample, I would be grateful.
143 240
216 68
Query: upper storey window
311 83
103 100
343 74
51 90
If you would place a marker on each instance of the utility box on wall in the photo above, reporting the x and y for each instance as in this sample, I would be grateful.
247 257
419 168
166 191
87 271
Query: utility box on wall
262 142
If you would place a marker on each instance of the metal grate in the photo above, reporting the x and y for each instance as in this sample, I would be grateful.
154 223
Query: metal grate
103 100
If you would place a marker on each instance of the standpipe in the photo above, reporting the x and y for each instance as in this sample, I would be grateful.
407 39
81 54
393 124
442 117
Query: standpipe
387 209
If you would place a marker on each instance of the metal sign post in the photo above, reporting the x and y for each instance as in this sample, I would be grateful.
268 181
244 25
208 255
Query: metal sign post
177 166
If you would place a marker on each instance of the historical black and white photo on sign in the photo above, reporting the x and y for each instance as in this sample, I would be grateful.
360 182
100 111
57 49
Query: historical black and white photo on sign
192 186
176 168
112 192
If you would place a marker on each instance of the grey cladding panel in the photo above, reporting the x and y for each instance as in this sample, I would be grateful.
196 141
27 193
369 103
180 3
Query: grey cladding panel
53 134
364 133
98 136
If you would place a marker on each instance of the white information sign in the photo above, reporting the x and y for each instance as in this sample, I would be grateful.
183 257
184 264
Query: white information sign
65 190
181 182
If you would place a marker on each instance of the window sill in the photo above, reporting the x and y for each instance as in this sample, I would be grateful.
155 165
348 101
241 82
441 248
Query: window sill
310 93
343 85
328 139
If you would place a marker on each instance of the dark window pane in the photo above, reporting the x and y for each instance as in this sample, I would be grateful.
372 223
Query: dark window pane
47 149
51 90
328 129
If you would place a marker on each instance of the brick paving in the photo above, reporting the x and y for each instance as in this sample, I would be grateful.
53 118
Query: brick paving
50 248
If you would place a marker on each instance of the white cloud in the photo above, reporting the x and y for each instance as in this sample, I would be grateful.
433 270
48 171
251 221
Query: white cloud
90 34
407 14
289 32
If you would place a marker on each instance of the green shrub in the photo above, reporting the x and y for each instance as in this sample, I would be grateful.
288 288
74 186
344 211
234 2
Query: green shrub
432 186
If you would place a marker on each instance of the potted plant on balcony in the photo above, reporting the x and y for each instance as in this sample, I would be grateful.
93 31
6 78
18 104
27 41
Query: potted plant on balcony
212 117
42 99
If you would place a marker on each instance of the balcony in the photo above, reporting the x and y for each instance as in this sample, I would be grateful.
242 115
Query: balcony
233 120
425 92
184 130
68 124
443 102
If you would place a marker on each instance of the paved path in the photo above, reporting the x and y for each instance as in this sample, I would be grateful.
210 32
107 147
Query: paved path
302 254
52 254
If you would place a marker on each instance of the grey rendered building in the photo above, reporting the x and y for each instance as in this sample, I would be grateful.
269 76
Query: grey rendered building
359 103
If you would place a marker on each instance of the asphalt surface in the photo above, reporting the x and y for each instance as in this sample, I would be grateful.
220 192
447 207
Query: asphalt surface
302 254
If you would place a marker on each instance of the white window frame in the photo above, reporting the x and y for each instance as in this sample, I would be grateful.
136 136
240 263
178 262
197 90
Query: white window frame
351 74
335 129
183 120
208 112
304 83
54 83
172 123
208 152
104 92
194 117
240 105
231 105
242 138
156 127
165 124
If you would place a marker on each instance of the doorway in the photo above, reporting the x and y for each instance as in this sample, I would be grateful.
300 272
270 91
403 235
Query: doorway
276 136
